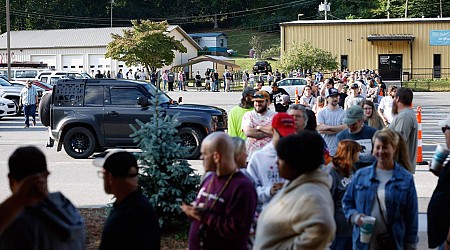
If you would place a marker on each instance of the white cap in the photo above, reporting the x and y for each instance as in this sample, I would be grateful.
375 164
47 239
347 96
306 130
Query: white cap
445 123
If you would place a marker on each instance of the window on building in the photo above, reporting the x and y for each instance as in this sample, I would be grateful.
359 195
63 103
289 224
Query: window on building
437 66
221 42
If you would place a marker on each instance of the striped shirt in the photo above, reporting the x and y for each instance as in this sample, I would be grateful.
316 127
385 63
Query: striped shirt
28 95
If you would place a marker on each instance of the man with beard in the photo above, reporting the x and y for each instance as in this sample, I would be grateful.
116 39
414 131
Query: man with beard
257 124
237 112
405 122
357 131
385 106
329 120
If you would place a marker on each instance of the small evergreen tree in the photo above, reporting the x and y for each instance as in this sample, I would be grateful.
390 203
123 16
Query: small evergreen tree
165 178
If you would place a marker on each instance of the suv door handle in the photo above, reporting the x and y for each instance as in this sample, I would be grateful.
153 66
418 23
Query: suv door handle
112 113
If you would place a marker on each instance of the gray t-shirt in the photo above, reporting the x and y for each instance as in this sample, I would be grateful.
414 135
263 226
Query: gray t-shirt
332 118
338 188
406 123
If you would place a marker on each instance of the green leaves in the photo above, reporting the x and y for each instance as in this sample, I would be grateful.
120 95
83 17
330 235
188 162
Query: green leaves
306 56
147 44
164 178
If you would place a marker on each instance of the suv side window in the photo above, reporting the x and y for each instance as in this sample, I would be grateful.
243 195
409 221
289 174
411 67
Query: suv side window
124 96
93 96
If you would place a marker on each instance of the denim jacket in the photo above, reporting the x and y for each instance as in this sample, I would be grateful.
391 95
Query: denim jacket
401 204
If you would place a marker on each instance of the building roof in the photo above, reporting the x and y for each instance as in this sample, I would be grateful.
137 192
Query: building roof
71 38
207 34
365 21
207 58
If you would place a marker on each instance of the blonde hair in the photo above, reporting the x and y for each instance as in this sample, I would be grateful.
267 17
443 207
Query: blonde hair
394 138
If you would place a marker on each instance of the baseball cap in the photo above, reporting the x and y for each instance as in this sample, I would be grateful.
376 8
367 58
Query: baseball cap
354 86
284 124
353 114
445 123
260 96
118 163
248 91
26 161
331 92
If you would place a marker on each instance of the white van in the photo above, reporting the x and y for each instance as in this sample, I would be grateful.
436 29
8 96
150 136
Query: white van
21 74
51 77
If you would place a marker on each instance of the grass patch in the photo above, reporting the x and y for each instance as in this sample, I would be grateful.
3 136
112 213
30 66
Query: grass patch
428 85
238 40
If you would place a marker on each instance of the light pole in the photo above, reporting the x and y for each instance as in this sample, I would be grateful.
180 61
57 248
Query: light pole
299 15
112 1
8 39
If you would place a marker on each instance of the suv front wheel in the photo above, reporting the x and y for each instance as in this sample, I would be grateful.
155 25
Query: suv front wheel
192 138
79 143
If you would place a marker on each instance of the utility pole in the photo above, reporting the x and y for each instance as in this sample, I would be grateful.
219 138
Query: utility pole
325 7
440 7
387 8
216 25
406 9
8 39
112 1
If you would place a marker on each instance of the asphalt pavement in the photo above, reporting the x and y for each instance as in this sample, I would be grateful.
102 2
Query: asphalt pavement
78 180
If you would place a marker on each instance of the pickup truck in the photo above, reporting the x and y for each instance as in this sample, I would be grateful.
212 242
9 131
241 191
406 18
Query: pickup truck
92 115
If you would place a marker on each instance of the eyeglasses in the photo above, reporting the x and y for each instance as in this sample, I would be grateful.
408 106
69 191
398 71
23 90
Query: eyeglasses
445 129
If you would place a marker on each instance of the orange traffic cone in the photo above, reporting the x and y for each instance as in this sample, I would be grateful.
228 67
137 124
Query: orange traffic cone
296 96
419 158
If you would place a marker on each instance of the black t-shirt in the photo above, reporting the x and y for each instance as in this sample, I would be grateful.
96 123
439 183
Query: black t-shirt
132 224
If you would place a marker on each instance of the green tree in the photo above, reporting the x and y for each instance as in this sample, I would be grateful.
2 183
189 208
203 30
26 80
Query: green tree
165 178
257 44
147 44
271 52
306 56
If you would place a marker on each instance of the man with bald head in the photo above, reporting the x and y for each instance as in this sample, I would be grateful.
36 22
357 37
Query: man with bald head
223 210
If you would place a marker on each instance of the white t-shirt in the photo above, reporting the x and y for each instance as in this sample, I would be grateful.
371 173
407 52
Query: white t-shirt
332 118
386 105
308 101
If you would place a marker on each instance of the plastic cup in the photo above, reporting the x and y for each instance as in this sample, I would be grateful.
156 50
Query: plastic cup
440 154
366 229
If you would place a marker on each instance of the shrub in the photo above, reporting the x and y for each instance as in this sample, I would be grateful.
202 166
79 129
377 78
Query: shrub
165 178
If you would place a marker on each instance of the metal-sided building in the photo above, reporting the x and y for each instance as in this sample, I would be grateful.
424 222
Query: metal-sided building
81 50
408 48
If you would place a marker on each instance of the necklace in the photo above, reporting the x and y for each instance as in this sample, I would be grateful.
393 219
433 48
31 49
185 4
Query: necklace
220 192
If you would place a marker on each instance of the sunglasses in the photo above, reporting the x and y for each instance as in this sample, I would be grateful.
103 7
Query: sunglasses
258 96
445 129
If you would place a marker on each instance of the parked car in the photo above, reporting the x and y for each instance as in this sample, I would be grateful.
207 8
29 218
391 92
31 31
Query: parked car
262 67
51 77
7 107
290 85
21 74
11 92
91 115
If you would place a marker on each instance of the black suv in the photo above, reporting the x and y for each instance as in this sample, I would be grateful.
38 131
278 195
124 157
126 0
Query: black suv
91 115
262 67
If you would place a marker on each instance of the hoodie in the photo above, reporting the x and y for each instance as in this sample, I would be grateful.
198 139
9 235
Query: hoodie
300 216
51 224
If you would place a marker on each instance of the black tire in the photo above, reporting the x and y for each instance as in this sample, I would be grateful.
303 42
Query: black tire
79 143
193 138
44 109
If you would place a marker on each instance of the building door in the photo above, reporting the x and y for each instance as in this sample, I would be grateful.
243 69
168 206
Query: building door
344 62
437 66
390 66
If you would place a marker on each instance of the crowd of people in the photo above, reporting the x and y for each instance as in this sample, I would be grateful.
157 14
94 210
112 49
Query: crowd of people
297 178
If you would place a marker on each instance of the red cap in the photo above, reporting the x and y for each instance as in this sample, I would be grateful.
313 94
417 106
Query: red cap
284 124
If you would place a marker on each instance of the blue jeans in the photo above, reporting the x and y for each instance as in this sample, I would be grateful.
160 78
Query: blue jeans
29 110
